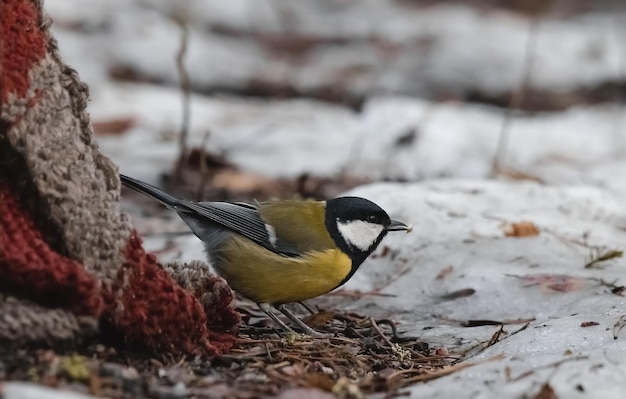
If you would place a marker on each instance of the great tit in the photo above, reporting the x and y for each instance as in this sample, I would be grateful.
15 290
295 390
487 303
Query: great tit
279 252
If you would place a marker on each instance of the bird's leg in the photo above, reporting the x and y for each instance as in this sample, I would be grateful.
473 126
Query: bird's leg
265 307
307 307
305 329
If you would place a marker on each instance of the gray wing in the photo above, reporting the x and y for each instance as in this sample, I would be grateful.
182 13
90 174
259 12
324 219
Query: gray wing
241 218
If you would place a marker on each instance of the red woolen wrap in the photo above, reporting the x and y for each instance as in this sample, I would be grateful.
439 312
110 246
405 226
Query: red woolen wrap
69 259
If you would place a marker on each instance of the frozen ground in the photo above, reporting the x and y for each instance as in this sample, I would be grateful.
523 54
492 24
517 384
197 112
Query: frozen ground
573 163
583 145
357 48
460 228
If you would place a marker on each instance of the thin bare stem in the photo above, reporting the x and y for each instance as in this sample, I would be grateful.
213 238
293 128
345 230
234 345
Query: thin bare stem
185 88
516 98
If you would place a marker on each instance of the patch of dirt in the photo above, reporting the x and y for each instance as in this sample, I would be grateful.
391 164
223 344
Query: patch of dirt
359 356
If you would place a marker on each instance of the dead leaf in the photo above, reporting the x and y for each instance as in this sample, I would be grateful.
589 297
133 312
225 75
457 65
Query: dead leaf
442 352
238 181
385 251
113 126
319 380
521 229
444 272
319 318
514 174
589 323
546 392
507 374
554 282
310 393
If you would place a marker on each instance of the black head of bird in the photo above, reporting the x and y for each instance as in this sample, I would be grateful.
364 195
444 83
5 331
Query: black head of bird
358 225
279 252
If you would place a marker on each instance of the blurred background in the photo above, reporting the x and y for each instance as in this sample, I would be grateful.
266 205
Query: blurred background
280 98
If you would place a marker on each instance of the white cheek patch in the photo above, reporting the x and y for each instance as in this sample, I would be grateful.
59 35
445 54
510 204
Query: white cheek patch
359 233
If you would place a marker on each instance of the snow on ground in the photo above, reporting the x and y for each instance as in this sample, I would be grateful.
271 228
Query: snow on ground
29 390
363 47
461 224
288 138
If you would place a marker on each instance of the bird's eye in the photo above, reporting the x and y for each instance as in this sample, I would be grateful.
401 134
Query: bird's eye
372 218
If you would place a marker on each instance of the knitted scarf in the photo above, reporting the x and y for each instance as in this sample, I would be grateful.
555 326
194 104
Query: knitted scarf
71 266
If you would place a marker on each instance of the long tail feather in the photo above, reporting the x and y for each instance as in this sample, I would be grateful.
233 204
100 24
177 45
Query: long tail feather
166 199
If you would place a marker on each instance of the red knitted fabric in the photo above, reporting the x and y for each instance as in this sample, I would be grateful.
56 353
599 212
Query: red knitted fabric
160 314
23 45
97 266
31 269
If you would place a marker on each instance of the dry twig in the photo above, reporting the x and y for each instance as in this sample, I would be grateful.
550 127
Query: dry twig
516 101
185 88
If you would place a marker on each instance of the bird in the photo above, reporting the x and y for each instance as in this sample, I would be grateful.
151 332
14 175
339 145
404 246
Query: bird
284 251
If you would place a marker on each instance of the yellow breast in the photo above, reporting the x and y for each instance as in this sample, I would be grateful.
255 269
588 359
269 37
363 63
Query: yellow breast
265 277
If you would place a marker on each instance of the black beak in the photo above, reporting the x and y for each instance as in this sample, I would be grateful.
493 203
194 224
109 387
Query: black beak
396 225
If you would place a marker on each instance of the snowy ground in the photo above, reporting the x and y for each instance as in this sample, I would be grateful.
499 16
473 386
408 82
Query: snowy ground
460 228
573 191
583 145
364 47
